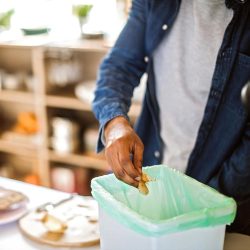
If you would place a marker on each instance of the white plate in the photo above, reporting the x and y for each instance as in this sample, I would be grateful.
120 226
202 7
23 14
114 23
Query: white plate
11 216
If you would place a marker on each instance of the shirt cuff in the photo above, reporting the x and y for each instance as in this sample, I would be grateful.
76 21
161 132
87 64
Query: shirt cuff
101 143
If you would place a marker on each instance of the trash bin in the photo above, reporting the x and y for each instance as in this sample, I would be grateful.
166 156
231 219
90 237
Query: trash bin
179 213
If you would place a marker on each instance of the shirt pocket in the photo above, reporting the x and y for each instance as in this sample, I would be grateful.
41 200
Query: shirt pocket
244 61
239 76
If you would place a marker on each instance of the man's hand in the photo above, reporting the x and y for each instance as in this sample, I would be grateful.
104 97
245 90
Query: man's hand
124 150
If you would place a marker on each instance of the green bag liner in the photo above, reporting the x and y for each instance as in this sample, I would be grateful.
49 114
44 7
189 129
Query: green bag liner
175 203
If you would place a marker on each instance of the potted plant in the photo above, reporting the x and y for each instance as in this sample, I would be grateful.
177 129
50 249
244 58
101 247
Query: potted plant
81 11
5 18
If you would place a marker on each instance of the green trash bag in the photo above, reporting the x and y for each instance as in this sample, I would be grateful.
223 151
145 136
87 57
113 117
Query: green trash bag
175 203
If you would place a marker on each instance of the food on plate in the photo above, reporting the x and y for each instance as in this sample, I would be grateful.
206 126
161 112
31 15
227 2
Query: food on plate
10 199
53 224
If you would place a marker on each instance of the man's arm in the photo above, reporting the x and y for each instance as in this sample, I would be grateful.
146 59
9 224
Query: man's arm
119 74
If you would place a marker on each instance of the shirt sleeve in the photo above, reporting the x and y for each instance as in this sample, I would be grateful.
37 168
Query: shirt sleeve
121 70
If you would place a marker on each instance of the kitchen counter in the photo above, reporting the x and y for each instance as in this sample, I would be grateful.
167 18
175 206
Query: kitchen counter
12 239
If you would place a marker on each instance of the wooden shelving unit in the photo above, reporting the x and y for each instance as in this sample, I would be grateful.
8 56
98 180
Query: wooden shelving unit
31 55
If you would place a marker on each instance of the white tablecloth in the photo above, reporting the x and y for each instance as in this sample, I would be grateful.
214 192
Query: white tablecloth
12 239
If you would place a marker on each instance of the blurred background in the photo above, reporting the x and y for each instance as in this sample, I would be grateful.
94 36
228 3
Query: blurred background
50 51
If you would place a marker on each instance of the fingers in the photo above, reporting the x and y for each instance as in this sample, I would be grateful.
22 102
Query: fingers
123 169
138 156
128 166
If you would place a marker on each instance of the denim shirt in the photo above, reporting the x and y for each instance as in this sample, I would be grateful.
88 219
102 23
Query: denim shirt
221 155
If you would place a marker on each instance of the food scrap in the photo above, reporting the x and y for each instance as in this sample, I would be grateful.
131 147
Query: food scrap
53 224
142 183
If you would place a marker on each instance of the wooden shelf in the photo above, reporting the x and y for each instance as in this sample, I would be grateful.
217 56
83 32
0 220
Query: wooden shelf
90 45
26 42
18 148
49 42
17 96
66 102
79 160
76 104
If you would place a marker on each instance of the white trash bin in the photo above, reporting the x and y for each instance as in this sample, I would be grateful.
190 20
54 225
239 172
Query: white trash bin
179 213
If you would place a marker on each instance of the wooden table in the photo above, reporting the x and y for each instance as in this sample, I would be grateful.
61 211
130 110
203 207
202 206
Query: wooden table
12 239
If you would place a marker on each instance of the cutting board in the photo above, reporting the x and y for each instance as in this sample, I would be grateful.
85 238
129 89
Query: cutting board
80 215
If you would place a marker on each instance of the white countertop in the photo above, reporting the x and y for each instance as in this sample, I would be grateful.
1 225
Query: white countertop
10 236
12 239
